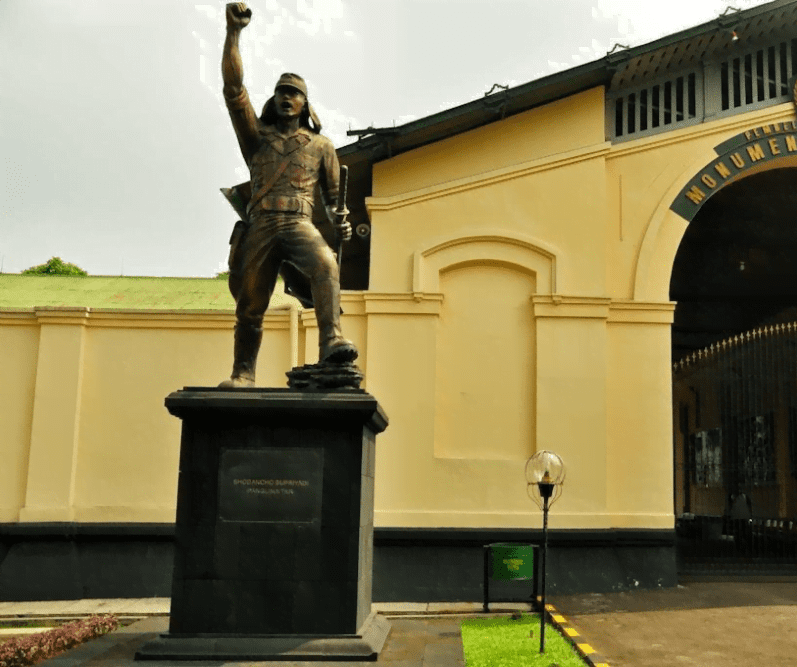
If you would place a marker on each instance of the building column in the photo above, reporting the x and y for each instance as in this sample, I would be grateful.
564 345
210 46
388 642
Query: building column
640 415
571 401
56 415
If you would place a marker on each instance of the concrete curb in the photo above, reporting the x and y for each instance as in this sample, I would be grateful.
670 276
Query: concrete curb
571 633
143 607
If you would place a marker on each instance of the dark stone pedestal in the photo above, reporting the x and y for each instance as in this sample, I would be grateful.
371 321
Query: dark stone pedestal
274 534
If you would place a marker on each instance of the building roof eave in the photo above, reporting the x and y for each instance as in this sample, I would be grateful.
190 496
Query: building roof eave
456 120
617 68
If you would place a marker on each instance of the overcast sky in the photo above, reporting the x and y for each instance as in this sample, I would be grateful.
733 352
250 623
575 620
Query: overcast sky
114 138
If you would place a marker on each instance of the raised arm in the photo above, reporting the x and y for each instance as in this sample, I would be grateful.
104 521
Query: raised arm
242 114
232 69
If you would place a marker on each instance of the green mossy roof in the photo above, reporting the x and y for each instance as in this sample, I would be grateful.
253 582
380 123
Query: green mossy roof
121 292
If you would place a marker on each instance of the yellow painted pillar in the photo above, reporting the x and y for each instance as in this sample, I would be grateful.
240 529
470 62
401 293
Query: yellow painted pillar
400 357
19 349
571 401
640 416
56 415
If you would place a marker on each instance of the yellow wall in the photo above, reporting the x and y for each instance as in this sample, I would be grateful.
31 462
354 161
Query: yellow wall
519 302
569 124
85 434
19 342
550 251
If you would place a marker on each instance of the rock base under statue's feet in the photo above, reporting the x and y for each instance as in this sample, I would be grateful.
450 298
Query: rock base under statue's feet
325 377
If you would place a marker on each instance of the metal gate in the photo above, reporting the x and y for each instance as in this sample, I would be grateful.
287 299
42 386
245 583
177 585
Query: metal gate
736 453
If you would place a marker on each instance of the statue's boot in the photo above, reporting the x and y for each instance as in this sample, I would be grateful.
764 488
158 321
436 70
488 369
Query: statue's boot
247 345
332 346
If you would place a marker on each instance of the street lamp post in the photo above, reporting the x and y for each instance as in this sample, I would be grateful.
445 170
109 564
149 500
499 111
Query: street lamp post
545 474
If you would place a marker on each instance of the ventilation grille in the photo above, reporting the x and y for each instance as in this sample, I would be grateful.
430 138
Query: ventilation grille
660 106
756 78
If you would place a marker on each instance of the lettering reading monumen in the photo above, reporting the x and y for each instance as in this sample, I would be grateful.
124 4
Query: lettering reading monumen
762 144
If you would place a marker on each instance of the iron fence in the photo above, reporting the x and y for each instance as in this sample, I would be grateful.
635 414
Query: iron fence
736 451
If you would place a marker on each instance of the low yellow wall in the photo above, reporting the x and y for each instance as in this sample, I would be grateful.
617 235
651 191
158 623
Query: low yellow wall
472 378
85 435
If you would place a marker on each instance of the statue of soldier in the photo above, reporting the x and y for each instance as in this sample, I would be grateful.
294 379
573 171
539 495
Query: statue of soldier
287 159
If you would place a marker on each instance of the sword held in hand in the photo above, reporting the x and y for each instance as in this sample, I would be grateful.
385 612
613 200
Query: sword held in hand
341 211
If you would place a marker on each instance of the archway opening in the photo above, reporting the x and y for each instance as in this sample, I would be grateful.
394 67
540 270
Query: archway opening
734 346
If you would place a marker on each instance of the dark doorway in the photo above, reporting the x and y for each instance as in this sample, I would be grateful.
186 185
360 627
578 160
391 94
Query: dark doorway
734 347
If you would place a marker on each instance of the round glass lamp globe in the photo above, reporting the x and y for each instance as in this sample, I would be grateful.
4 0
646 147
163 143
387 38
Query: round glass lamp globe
545 467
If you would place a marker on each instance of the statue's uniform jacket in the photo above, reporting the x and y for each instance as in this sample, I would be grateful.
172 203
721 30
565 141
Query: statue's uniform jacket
312 160
281 227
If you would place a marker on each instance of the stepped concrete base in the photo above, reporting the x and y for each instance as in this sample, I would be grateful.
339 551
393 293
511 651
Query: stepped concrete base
364 646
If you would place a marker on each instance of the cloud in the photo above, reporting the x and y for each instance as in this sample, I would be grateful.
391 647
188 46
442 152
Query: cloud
553 66
336 123
642 22
318 15
208 10
406 118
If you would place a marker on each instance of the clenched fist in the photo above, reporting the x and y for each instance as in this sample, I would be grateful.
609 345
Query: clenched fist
238 15
342 227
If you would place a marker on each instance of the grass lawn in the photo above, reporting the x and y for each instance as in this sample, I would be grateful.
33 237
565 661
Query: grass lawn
504 642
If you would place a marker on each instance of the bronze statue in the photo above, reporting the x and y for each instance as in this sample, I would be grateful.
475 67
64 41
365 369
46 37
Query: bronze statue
288 159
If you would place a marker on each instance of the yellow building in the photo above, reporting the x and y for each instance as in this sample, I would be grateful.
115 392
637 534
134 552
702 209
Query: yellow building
526 269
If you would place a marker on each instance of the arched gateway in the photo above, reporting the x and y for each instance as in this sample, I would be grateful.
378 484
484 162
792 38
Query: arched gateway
734 344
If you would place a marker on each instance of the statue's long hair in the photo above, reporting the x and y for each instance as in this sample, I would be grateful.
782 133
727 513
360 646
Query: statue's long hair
307 117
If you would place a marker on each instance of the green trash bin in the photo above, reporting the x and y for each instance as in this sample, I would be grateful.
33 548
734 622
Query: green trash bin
512 562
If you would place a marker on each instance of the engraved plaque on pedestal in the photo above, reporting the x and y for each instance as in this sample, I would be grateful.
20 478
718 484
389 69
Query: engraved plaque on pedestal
277 485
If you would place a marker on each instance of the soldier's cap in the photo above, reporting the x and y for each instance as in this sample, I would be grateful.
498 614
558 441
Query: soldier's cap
292 80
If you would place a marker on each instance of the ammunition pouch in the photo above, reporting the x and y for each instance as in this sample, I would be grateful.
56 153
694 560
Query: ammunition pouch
238 232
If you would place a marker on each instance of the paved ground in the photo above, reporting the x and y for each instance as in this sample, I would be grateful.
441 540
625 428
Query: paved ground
703 624
419 637
698 623
434 642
